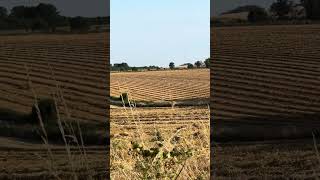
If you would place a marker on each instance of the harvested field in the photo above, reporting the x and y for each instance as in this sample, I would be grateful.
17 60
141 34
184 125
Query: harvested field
294 159
162 85
21 160
71 69
159 116
161 130
265 86
78 64
265 71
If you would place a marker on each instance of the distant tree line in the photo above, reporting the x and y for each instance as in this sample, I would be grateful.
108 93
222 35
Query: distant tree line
197 64
280 10
126 67
44 17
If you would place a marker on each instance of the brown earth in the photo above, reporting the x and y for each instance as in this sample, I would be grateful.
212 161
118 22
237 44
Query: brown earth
265 85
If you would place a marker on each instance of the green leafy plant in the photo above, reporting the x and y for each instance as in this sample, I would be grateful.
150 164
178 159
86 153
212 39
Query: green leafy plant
159 161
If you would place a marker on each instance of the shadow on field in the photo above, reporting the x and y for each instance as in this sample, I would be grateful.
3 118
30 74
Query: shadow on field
119 101
27 126
295 126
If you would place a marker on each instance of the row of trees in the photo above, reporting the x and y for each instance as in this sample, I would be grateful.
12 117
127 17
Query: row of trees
312 9
280 10
126 67
283 7
197 64
43 17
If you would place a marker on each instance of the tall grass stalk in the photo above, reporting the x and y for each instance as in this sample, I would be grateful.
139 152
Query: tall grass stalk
66 129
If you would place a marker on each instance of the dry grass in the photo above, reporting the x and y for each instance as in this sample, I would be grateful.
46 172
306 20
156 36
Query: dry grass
160 143
75 151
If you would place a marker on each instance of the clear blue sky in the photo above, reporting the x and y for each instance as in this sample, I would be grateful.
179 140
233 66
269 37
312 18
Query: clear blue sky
147 32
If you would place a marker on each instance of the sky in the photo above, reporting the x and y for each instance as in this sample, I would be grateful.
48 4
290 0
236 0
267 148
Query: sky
87 8
145 32
220 6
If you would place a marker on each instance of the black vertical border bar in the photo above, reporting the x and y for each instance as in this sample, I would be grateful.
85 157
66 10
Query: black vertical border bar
107 139
211 96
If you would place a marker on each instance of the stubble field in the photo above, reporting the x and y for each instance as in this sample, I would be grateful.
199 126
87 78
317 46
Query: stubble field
265 86
72 71
160 142
162 85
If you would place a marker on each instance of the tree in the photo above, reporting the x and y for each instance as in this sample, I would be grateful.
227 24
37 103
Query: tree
246 8
79 24
312 8
3 12
135 69
3 18
207 63
18 12
99 20
198 64
190 66
49 13
121 67
38 24
281 8
257 14
43 16
171 65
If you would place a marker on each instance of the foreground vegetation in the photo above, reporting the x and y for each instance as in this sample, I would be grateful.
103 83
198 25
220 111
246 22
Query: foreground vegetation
51 144
159 151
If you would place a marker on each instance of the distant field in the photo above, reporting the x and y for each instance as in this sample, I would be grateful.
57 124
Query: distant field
76 63
162 85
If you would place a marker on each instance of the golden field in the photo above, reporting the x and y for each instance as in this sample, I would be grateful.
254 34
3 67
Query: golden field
162 85
265 101
72 71
160 142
